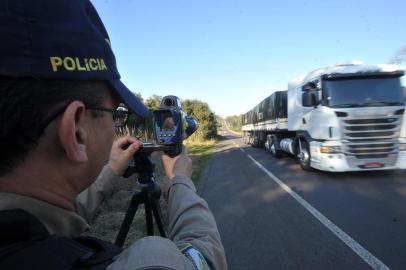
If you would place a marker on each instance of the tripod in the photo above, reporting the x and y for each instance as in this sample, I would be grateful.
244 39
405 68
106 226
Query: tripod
148 194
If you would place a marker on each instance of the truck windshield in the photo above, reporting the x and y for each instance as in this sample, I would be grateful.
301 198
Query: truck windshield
363 92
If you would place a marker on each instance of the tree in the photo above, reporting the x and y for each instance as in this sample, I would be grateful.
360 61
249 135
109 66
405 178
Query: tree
140 127
399 57
234 122
139 96
145 126
135 124
207 123
153 102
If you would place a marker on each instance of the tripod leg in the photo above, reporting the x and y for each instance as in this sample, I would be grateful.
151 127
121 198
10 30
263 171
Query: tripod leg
156 210
129 216
148 217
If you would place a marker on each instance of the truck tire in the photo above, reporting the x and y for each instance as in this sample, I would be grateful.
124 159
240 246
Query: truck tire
303 155
273 149
246 139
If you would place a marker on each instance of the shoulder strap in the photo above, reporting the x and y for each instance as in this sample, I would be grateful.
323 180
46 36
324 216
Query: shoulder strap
59 253
103 252
42 251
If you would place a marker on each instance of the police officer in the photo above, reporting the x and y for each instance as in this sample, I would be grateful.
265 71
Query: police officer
59 90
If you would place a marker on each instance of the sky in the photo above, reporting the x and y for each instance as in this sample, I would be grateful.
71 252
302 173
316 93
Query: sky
233 54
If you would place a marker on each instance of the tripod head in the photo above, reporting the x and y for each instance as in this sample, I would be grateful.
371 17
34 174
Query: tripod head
142 163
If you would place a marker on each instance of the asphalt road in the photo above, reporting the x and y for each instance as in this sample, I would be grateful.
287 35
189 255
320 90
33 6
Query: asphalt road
264 227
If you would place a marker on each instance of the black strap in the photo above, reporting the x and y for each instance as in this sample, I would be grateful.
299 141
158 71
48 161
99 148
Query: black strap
103 252
39 250
18 225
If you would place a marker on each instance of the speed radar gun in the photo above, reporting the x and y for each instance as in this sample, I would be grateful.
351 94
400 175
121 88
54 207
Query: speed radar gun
171 127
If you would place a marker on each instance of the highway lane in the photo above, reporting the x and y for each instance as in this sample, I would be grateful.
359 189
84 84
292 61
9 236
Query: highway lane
263 227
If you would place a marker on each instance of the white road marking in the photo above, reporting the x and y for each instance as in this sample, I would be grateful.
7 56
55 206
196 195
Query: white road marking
370 259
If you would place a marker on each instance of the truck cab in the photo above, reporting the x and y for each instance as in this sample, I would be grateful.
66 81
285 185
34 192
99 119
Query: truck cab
349 117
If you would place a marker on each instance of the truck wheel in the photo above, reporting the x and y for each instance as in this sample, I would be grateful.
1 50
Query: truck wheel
257 143
304 155
246 139
266 146
272 149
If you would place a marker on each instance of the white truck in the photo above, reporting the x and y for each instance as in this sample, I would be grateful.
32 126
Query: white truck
348 117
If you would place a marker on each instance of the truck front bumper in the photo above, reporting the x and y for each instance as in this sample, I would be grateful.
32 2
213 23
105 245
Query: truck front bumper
342 163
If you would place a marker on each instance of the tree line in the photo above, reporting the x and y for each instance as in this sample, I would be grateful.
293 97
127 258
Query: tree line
199 110
234 122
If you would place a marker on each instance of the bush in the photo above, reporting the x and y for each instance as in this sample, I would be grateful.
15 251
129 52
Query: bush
206 119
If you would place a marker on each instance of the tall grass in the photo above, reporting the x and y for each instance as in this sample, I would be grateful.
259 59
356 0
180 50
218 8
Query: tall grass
200 152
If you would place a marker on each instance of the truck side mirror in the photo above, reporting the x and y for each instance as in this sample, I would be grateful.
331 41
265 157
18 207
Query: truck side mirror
310 86
310 99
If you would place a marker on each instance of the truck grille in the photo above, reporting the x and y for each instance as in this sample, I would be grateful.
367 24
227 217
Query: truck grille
371 137
372 121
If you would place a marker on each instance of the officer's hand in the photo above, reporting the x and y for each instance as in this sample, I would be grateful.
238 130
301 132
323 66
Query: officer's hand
119 158
178 166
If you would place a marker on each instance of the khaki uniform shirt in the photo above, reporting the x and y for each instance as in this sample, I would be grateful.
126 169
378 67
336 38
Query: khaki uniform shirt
89 200
190 223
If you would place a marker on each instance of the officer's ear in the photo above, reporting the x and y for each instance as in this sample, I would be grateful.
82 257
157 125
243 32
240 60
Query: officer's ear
72 132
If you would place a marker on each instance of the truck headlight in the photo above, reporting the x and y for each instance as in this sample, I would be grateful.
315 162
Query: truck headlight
331 149
402 147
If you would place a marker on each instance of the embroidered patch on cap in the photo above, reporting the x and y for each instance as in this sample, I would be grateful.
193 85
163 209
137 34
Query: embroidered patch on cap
196 258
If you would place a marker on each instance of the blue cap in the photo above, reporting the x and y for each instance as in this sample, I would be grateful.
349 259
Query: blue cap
59 39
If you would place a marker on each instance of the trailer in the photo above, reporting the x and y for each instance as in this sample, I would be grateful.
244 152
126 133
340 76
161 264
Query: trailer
348 117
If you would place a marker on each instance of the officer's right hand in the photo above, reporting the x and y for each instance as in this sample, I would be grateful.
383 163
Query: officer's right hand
178 166
120 157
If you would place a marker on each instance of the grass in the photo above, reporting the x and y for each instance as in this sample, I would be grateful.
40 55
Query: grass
200 153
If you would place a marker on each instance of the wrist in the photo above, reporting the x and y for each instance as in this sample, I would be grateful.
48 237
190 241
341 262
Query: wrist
177 180
116 169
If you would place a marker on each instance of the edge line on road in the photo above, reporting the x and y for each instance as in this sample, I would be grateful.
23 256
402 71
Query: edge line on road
365 255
